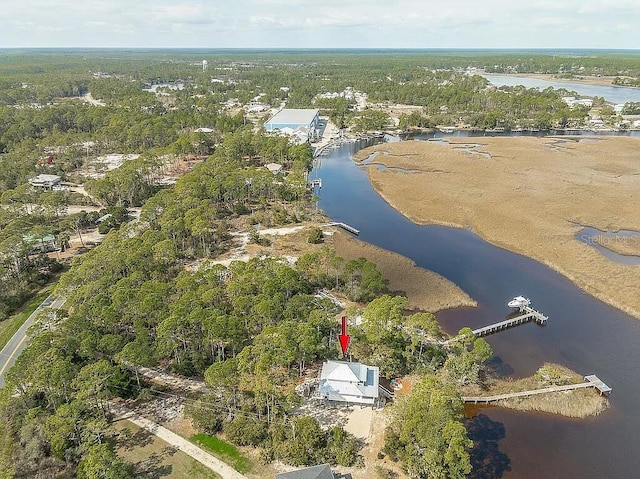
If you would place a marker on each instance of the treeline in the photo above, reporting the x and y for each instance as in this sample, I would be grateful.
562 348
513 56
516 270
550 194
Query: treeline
29 231
251 329
625 81
135 304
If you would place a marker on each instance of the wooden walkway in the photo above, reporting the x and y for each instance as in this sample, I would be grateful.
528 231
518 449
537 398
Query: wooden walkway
346 227
591 381
529 314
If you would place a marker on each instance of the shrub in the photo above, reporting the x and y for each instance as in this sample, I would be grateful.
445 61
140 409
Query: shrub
316 236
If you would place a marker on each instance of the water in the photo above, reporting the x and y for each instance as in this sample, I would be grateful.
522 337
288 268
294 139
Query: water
605 238
614 94
582 333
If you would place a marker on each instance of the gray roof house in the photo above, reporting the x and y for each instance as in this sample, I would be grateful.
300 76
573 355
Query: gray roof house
348 382
45 181
315 472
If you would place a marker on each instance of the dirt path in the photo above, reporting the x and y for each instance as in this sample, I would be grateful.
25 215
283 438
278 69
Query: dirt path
172 381
213 463
89 99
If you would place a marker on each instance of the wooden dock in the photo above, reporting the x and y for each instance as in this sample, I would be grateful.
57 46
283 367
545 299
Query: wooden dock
345 227
529 314
591 381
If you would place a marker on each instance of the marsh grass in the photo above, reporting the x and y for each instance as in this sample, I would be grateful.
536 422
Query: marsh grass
530 197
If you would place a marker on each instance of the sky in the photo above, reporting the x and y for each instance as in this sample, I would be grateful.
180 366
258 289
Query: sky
609 24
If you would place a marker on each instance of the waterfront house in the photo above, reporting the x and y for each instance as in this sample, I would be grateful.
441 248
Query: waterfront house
347 382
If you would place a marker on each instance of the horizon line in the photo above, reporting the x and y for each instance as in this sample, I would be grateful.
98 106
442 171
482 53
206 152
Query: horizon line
305 49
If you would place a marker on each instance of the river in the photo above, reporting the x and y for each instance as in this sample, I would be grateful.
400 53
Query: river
613 94
582 333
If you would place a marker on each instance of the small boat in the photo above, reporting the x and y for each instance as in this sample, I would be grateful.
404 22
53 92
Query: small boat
519 302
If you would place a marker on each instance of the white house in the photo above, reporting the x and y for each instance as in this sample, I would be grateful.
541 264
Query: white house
47 182
347 382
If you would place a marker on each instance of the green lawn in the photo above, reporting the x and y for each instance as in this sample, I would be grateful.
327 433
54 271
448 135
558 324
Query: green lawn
9 326
224 451
153 458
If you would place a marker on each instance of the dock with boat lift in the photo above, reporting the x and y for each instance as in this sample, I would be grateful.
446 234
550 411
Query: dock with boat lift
591 381
527 315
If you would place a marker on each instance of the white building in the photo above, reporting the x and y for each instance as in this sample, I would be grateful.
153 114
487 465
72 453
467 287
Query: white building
274 168
347 382
46 182
295 119
572 101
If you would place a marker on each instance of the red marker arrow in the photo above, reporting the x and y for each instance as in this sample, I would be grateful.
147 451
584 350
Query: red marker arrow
344 337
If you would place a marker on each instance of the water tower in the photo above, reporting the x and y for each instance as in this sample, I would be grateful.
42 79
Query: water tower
205 65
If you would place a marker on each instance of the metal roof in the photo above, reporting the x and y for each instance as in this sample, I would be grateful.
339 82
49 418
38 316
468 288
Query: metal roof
295 116
45 179
316 472
349 382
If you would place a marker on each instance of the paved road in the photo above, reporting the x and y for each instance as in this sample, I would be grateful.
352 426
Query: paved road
212 462
19 341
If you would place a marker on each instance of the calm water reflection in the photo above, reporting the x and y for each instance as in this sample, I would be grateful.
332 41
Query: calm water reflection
614 94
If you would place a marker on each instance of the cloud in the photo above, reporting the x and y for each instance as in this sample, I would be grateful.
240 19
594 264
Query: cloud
330 23
187 14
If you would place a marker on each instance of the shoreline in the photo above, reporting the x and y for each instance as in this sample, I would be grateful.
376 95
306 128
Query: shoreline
445 217
426 290
576 281
583 80
585 288
577 404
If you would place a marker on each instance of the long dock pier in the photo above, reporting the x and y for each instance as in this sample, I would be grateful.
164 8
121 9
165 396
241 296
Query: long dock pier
346 227
529 314
591 381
